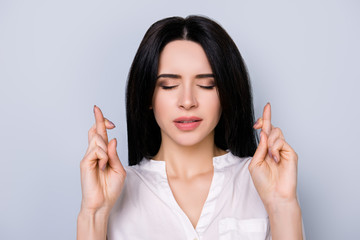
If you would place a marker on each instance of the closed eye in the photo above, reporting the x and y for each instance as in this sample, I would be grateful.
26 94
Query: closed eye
168 87
207 87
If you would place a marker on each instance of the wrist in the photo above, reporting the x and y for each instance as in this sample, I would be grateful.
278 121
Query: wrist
94 213
283 205
97 209
285 219
91 225
275 204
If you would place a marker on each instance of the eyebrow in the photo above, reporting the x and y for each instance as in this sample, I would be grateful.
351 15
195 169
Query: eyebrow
176 76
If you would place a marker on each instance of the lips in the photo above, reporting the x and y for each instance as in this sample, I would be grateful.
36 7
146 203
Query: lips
187 123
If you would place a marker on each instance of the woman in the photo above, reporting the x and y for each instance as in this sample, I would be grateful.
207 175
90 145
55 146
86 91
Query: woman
195 170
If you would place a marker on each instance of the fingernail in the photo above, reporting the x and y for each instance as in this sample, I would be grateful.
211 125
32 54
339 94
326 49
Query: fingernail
276 160
103 168
270 154
111 123
256 123
94 108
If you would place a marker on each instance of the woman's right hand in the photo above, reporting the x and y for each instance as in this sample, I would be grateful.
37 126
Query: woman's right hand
102 174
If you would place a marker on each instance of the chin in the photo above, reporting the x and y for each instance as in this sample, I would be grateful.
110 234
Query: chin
188 143
189 140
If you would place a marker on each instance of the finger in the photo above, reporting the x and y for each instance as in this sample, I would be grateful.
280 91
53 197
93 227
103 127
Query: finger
97 140
276 147
114 161
258 124
274 135
281 148
96 156
100 123
92 130
266 127
260 152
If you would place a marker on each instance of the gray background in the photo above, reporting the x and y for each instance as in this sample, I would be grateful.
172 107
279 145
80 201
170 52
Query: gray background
59 58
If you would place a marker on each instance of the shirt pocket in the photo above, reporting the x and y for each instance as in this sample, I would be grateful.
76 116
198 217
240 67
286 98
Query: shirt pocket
247 229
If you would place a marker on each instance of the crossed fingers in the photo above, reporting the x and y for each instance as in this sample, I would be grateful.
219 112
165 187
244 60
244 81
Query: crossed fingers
97 134
275 138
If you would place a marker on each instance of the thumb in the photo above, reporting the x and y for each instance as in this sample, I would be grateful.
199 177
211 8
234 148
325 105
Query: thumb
261 151
114 161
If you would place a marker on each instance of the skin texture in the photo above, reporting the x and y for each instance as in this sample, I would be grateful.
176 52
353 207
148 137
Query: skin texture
188 154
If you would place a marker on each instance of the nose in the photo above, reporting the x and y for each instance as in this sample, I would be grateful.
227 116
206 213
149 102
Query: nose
187 99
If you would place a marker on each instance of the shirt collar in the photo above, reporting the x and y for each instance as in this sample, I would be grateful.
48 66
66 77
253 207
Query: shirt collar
219 162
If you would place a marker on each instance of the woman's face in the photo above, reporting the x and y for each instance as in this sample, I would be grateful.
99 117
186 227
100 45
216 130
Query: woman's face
186 103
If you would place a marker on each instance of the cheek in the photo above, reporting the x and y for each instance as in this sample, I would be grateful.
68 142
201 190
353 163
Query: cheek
213 105
161 106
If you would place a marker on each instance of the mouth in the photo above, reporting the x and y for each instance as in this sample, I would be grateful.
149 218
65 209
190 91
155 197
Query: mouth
187 123
188 119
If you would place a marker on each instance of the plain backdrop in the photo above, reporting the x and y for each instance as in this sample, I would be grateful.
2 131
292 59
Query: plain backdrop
59 58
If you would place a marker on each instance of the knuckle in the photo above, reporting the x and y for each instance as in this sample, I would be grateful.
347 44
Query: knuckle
101 152
104 132
279 142
277 130
91 135
83 162
93 141
98 149
271 139
91 130
280 132
274 149
97 138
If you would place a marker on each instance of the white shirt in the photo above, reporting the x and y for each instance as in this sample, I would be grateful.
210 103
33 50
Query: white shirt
147 209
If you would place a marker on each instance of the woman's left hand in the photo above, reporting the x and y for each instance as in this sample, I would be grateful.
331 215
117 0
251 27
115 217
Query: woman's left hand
274 165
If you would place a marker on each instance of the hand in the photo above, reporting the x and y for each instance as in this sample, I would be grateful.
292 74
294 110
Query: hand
274 165
102 174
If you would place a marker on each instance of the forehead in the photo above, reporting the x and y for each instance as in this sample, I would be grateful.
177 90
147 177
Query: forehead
183 56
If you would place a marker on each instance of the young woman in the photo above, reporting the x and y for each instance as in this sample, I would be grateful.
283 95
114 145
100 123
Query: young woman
195 170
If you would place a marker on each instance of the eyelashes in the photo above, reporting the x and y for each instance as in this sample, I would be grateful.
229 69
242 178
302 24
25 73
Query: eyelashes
168 87
201 86
207 87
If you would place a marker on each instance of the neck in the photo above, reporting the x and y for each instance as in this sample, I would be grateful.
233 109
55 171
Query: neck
188 161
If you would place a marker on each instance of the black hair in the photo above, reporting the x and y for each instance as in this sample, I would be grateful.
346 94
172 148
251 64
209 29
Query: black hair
235 128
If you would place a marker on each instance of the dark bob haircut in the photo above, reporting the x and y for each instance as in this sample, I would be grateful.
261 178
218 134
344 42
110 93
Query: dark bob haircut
235 128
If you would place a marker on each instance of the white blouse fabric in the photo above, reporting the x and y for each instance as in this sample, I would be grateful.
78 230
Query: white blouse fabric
147 209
